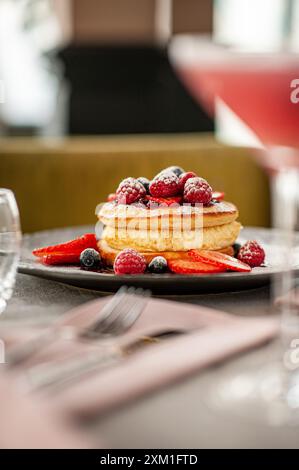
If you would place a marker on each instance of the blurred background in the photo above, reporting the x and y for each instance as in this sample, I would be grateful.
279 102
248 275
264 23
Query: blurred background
96 66
88 96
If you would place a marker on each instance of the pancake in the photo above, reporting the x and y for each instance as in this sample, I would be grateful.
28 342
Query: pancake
108 254
208 238
221 213
168 231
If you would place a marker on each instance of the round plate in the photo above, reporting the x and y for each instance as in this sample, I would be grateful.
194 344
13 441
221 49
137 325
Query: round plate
158 283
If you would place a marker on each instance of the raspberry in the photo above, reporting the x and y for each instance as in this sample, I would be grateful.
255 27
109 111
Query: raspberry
197 190
166 184
252 253
183 178
129 191
129 261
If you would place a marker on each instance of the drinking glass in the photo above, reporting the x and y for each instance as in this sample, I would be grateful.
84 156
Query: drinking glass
10 242
251 95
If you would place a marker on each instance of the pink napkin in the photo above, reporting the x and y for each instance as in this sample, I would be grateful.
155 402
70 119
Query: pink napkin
28 423
212 337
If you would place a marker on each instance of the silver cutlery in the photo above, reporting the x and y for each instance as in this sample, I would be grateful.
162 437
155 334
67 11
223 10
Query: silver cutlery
107 324
115 321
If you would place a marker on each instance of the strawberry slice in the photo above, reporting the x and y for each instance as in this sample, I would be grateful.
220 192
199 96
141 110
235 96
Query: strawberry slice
165 200
215 258
60 258
111 197
74 246
182 266
218 196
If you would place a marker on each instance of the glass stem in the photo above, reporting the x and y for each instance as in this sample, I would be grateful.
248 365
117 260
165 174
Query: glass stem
285 206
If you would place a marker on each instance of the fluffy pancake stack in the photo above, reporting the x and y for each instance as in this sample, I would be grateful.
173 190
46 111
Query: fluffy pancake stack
167 231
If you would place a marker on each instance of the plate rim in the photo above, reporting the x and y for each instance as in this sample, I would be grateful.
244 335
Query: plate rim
76 275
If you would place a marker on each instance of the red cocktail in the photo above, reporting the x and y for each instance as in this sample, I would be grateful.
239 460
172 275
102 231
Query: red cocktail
256 96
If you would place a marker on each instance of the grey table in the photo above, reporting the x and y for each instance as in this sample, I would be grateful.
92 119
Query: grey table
176 417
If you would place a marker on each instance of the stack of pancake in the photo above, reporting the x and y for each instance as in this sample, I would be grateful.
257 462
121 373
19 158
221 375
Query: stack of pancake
167 231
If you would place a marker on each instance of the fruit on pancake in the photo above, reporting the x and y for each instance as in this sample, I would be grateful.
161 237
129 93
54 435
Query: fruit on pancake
166 184
129 261
177 170
158 265
236 248
183 178
130 190
165 200
141 227
218 196
197 190
252 253
90 259
183 266
219 259
145 182
72 247
60 258
111 197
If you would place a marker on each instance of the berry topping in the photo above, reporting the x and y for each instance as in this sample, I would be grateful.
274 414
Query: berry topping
60 258
145 182
129 191
183 178
165 200
72 247
142 204
129 261
182 266
164 185
197 190
111 197
236 248
90 259
177 170
252 253
218 259
218 196
158 265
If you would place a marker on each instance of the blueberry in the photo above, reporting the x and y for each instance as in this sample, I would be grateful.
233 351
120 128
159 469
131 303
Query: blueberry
177 170
158 265
236 247
145 182
90 259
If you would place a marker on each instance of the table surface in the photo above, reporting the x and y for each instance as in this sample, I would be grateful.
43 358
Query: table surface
177 416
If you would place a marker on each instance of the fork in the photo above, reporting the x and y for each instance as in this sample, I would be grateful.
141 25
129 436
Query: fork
99 328
115 322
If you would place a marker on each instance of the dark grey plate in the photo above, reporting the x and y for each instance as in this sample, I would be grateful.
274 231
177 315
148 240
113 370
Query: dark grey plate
160 284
